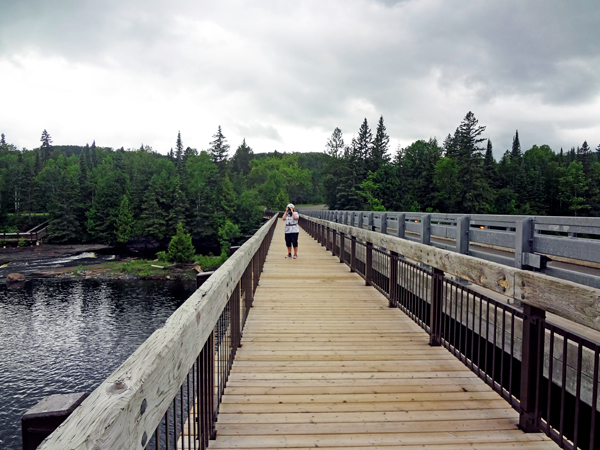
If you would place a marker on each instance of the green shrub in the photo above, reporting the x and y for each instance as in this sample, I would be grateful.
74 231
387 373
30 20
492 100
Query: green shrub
23 242
209 263
162 256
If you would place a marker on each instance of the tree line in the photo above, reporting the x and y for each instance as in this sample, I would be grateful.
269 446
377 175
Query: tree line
460 175
98 194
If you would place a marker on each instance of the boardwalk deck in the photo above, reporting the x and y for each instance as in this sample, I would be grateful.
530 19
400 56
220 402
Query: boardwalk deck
325 363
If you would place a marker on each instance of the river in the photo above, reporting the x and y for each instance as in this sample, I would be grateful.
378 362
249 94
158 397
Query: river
61 336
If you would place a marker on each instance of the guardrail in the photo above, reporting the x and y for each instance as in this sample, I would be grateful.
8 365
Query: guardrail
524 242
180 370
547 373
35 234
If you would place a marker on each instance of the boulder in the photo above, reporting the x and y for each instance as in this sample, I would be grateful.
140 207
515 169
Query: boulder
15 278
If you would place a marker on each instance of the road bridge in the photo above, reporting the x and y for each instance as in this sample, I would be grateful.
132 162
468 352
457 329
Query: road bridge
385 351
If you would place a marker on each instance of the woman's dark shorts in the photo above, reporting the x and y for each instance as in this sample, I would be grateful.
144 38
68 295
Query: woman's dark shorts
291 239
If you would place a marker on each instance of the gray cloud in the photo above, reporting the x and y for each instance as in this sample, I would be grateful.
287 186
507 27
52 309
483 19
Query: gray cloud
422 64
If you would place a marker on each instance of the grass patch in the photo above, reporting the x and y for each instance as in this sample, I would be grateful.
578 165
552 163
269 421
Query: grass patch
209 263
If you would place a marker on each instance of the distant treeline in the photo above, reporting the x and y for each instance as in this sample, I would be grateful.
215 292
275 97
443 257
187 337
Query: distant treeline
99 194
460 175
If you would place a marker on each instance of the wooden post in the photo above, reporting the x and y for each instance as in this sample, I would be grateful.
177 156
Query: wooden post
531 368
360 220
352 219
393 279
435 310
369 264
370 221
342 247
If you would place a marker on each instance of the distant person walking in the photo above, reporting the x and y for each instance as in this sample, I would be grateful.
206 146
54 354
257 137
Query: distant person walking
291 230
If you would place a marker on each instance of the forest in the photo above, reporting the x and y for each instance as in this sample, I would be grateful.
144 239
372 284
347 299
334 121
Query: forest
460 175
97 194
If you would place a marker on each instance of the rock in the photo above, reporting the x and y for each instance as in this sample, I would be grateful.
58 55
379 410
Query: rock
15 278
198 269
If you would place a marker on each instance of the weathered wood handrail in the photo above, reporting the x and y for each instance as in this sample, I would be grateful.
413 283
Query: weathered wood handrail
575 302
127 407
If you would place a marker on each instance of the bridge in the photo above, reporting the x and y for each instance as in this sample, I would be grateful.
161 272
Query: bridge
367 341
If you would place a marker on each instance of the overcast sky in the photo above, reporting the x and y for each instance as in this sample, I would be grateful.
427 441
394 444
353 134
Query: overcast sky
284 74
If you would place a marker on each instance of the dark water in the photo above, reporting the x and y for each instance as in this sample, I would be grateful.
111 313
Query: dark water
67 336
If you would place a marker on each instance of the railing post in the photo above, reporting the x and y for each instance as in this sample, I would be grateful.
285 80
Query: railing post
342 247
334 239
435 309
393 279
360 220
352 219
383 227
426 229
345 218
400 232
531 368
369 264
370 221
523 240
463 224
353 254
323 236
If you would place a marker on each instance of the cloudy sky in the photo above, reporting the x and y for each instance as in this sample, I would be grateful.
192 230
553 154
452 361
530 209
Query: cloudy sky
284 74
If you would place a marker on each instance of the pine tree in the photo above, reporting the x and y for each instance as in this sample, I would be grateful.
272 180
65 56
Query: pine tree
584 154
516 148
65 207
335 144
476 195
218 150
241 159
491 173
378 153
181 249
46 146
179 152
124 224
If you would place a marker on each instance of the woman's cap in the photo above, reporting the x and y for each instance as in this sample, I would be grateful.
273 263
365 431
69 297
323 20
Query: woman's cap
290 205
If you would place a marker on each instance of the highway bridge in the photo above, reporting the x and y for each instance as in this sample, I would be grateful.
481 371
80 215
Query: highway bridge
368 340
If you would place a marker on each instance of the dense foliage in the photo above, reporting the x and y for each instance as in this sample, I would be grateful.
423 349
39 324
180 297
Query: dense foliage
460 175
98 194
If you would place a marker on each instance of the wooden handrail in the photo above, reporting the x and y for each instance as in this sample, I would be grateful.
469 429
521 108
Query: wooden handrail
575 302
132 400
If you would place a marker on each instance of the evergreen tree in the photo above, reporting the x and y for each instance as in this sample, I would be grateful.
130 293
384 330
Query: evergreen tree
181 249
516 147
572 188
489 163
124 226
476 195
64 208
584 154
378 154
241 159
46 147
179 152
218 150
335 144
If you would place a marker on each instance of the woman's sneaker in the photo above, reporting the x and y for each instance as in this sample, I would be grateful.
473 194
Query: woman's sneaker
295 256
289 255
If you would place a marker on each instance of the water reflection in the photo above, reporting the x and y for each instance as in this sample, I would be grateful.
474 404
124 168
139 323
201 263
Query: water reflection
67 336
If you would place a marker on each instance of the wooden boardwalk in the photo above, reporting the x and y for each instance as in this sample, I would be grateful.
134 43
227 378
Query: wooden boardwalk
325 363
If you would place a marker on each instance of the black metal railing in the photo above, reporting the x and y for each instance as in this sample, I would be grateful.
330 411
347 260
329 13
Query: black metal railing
546 372
189 422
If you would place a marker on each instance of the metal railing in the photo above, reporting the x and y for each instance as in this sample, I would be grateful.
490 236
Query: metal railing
524 242
167 394
546 372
